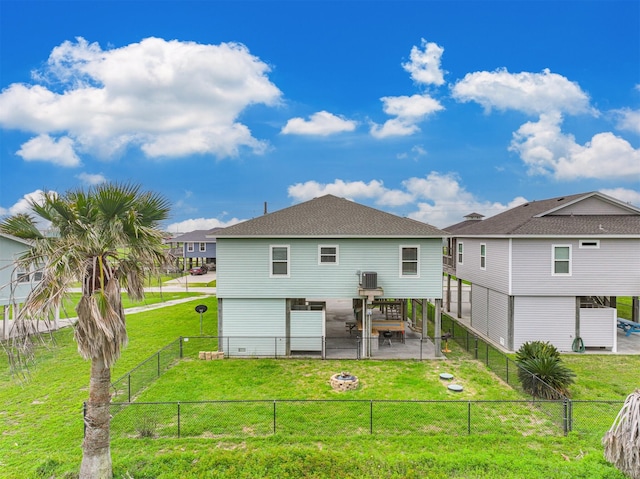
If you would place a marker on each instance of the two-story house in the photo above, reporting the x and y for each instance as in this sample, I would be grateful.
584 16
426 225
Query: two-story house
195 248
15 283
328 247
549 270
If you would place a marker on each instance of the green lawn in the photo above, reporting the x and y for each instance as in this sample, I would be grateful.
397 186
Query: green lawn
42 423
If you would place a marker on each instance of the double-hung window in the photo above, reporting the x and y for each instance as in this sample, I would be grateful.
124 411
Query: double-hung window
409 261
561 260
327 254
483 256
190 248
280 261
22 275
203 247
460 252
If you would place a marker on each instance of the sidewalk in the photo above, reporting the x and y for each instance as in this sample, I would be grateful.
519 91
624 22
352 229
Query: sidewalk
47 326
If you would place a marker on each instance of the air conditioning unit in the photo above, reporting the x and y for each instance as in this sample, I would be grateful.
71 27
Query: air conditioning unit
369 280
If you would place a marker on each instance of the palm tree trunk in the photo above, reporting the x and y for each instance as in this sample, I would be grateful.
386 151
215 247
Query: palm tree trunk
96 452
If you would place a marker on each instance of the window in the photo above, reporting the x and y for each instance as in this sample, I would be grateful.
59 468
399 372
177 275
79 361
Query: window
409 261
22 275
590 244
327 254
203 247
460 250
37 276
562 260
483 256
189 247
280 260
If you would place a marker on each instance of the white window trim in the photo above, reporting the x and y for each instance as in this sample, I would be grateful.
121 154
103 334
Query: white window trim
23 276
203 247
417 247
460 252
483 256
271 275
190 248
553 259
589 244
337 255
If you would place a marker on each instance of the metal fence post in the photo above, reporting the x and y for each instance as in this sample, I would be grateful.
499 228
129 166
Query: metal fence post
178 418
476 348
371 416
274 416
565 416
469 418
181 352
84 419
506 360
158 354
129 387
324 347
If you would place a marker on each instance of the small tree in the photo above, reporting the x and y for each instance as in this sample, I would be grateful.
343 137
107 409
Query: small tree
622 441
108 239
541 372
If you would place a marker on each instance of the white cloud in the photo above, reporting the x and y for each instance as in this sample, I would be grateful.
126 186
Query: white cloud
45 148
440 198
531 93
424 66
408 111
628 119
624 194
321 123
91 179
200 224
170 98
23 204
547 151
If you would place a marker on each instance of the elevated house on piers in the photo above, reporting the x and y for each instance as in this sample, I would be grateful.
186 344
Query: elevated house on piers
274 272
548 270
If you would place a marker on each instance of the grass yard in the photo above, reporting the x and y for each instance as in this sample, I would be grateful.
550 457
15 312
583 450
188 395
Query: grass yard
42 423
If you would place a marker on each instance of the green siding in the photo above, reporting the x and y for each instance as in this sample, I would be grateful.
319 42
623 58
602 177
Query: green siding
243 268
254 327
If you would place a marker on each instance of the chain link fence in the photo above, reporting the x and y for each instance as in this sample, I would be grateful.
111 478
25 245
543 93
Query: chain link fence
331 418
126 388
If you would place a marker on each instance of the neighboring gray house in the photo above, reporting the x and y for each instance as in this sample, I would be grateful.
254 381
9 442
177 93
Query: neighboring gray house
548 270
269 267
15 284
196 247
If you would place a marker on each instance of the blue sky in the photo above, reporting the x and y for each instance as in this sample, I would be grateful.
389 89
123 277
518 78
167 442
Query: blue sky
426 109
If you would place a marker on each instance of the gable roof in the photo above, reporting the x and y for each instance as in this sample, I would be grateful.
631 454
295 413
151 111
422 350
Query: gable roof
201 236
331 216
16 239
546 217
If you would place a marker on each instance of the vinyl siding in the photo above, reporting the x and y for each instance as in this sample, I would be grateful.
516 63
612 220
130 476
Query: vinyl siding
480 309
254 327
243 268
18 292
591 206
598 327
498 317
210 250
496 274
613 269
550 319
307 330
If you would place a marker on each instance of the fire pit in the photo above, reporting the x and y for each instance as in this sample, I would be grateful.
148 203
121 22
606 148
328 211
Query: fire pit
344 382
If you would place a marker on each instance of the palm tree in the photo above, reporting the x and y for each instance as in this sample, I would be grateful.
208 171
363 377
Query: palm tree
622 441
108 239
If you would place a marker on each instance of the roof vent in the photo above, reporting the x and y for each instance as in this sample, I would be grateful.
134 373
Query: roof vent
560 199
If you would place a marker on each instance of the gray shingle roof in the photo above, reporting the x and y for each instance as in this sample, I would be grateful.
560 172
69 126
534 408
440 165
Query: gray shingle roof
201 236
531 219
330 216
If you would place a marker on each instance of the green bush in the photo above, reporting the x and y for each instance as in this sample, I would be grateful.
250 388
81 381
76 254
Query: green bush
541 372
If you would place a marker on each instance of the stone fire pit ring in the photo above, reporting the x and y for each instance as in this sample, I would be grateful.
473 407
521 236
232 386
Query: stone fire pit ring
344 382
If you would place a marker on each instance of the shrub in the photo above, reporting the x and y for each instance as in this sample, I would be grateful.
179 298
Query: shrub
541 371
